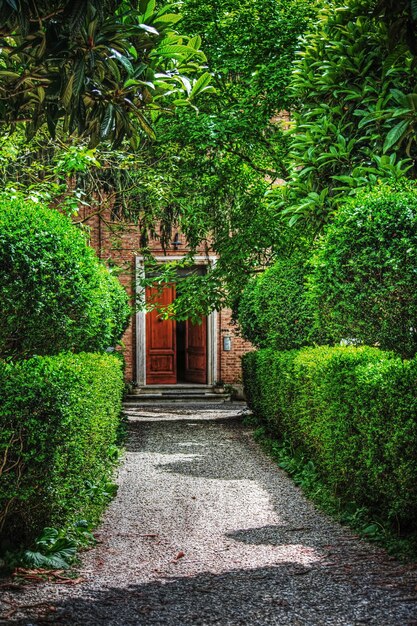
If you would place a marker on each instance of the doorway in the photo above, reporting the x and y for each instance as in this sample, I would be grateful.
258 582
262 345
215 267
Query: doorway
176 352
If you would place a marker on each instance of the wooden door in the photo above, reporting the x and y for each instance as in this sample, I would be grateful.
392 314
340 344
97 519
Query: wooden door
161 356
196 352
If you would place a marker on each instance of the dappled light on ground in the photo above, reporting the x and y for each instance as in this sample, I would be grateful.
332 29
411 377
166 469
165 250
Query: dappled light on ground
207 530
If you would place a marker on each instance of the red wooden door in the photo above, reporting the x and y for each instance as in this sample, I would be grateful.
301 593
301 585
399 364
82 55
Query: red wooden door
196 352
161 354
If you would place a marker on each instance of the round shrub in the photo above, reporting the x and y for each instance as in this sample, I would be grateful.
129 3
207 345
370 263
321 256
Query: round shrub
363 285
273 311
54 293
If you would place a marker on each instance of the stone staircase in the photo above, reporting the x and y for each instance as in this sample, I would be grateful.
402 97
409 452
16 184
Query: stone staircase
180 393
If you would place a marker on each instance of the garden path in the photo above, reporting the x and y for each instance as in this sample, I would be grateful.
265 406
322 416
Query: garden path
207 530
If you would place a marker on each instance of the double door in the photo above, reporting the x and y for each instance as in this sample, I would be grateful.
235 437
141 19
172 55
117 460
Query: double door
175 353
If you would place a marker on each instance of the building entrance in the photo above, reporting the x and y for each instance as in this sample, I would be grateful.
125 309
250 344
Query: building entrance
176 352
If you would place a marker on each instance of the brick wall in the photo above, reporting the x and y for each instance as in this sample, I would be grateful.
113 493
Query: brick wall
230 366
119 243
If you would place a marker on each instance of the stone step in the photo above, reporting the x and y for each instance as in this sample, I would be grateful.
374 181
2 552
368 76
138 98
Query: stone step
183 389
171 397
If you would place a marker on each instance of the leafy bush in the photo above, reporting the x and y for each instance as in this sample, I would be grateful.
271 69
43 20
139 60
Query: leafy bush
274 311
356 118
59 421
54 293
353 412
364 281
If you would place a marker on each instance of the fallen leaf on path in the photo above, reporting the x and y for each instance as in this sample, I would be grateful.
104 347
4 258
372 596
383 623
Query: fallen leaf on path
58 577
11 587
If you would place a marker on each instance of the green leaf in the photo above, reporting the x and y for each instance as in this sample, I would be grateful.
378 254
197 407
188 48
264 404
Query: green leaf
181 103
195 42
150 8
67 95
170 18
79 71
123 61
178 51
149 29
396 134
107 122
9 74
202 83
145 125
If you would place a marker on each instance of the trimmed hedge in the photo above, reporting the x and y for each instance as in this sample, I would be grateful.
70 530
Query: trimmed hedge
59 421
55 295
353 411
364 280
274 311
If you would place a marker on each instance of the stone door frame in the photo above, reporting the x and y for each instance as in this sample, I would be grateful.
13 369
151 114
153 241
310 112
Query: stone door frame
140 318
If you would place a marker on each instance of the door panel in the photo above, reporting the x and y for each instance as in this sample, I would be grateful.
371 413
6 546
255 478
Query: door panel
161 361
196 352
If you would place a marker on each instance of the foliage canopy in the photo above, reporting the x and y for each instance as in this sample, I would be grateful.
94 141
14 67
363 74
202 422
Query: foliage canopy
102 68
355 112
219 164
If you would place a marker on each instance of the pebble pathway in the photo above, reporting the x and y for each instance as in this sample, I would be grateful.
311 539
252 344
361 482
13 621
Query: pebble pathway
205 529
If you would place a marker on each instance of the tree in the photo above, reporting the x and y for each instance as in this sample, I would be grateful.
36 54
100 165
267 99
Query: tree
220 163
355 119
206 172
103 69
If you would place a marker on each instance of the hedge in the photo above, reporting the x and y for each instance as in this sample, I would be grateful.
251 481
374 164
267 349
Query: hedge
363 284
59 421
55 295
353 412
274 311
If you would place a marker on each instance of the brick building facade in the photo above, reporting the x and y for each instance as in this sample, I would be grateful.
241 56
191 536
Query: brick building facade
224 347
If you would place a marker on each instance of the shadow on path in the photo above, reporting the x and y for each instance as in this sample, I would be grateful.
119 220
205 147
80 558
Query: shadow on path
263 596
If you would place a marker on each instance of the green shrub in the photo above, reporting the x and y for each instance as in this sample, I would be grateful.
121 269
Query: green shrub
59 419
353 412
54 293
274 311
364 281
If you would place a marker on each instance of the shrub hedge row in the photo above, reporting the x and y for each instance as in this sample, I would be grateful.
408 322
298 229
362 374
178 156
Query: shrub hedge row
358 283
59 421
353 411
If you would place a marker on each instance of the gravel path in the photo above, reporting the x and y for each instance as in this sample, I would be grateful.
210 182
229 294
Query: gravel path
207 530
